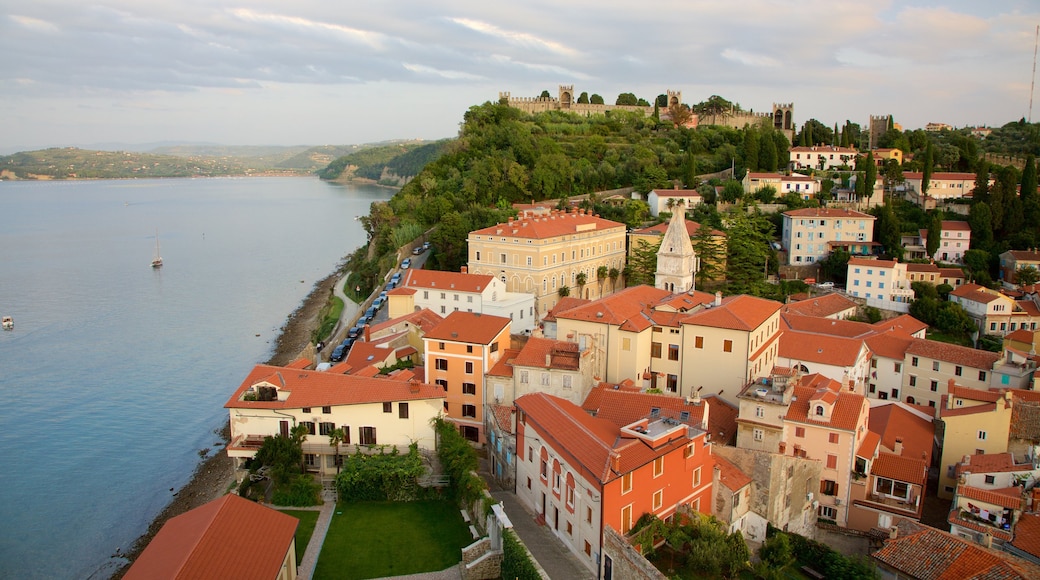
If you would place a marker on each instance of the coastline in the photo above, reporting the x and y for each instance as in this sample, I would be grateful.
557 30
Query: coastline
215 475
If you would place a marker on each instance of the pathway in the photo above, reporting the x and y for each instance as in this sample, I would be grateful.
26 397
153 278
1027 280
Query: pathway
305 567
547 549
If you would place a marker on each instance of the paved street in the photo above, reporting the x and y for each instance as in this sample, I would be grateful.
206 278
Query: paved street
552 556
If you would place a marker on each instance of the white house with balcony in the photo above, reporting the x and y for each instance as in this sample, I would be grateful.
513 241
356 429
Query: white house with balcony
883 283
822 157
447 292
811 234
804 186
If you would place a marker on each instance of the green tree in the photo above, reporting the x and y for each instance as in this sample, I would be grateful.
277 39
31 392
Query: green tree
581 279
1028 192
626 99
766 194
1027 276
869 174
836 266
751 141
776 552
732 191
714 107
981 222
976 261
336 437
888 232
614 275
747 245
926 177
601 276
710 252
768 158
934 234
596 99
642 265
564 291
583 98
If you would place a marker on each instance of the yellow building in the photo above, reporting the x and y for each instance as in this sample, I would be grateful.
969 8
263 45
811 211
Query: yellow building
976 422
541 254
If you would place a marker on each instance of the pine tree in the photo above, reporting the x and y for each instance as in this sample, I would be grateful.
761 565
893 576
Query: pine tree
926 176
767 157
981 192
1030 201
751 148
834 137
711 254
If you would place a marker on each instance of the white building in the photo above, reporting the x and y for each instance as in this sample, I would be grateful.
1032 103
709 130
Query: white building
659 199
811 234
822 157
806 187
883 283
447 292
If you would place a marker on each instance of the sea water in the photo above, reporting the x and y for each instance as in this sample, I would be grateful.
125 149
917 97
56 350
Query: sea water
113 381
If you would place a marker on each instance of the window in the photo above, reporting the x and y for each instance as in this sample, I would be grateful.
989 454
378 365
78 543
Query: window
469 367
309 425
799 431
478 256
469 389
567 381
758 434
659 467
588 548
697 477
672 383
828 487
982 435
832 438
626 344
443 384
913 361
658 499
588 516
827 512
832 461
545 379
673 352
402 410
982 375
626 519
892 488
388 407
544 473
698 342
441 364
897 367
469 348
655 349
368 435
469 411
494 347
760 411
440 345
727 346
326 410
935 365
305 410
523 377
819 410
913 381
957 370
934 386
326 428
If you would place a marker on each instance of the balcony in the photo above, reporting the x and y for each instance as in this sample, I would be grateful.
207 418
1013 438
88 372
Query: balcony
910 507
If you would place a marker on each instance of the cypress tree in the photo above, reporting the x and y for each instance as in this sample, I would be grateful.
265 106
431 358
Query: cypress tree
926 176
869 174
981 191
1030 201
934 234
767 153
751 149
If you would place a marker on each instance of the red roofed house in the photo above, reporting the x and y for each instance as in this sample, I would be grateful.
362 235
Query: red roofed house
991 498
822 157
541 254
660 199
732 489
994 312
371 411
836 349
883 283
943 186
975 422
728 345
833 305
229 538
810 234
803 186
914 550
1013 260
459 353
929 366
555 367
581 473
446 292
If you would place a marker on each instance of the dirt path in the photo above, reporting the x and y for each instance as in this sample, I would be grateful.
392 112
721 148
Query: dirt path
214 476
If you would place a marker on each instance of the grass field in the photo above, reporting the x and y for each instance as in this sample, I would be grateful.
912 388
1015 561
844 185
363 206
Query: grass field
304 531
377 539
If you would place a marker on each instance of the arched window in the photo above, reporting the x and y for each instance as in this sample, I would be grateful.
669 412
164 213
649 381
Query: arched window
819 410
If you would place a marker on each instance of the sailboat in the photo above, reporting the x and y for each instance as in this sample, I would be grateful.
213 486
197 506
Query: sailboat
157 260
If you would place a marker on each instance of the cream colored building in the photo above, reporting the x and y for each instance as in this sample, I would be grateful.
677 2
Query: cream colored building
884 283
822 157
541 254
975 422
810 234
447 292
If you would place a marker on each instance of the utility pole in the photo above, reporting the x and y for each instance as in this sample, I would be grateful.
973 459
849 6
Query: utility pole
1032 80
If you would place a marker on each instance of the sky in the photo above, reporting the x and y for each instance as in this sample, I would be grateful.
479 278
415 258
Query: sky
317 72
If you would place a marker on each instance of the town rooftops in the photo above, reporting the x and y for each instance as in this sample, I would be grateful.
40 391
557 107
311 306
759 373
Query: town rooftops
975 293
960 355
955 225
545 353
903 322
827 212
780 176
802 346
676 192
471 327
629 307
821 306
870 262
1007 497
230 537
504 366
898 467
455 281
827 326
920 551
922 268
692 228
991 463
1025 255
846 406
424 319
940 176
730 475
565 303
823 149
1027 534
554 225
909 427
301 388
741 312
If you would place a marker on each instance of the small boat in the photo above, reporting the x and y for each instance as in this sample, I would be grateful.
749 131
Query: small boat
157 260
8 323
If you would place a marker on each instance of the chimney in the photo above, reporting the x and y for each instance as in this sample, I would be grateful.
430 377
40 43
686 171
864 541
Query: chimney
898 449
548 360
893 533
413 385
368 333
464 270
718 299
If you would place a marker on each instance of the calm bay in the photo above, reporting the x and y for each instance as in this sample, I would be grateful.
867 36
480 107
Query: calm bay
115 375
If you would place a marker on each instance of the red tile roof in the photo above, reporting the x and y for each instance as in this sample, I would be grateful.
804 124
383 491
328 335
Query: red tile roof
940 176
991 463
692 228
827 212
821 306
730 475
891 421
892 466
300 363
741 312
960 392
1027 534
504 366
903 322
975 293
565 303
961 355
954 225
628 308
892 344
924 552
820 349
424 319
827 326
868 447
230 537
847 410
684 302
625 406
324 389
415 278
926 268
540 227
1008 497
676 192
1025 255
546 353
872 262
471 327
504 417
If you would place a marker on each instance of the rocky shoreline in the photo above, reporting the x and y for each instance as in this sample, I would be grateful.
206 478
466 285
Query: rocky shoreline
215 476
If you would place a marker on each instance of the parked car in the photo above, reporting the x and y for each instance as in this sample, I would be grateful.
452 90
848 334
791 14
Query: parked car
426 246
417 250
363 320
378 302
825 285
395 279
407 263
354 332
338 353
371 313
348 342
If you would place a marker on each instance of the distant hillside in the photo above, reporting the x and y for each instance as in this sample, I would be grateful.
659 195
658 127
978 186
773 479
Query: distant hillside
391 164
72 163
302 157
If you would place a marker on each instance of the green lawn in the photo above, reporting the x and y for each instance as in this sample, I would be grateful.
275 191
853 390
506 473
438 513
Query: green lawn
304 530
378 539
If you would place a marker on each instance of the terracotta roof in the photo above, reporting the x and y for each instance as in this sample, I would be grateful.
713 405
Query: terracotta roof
565 303
591 442
504 417
540 227
847 407
975 293
401 291
676 192
940 176
954 517
504 366
692 228
827 212
365 354
1026 308
924 552
1021 335
415 278
810 347
960 392
827 326
961 355
561 355
741 312
892 421
323 389
625 405
630 307
730 475
903 322
991 463
821 306
823 149
951 272
684 302
1025 255
471 327
1008 497
891 344
424 319
930 268
230 537
954 225
868 447
1027 534
959 411
300 363
900 468
872 262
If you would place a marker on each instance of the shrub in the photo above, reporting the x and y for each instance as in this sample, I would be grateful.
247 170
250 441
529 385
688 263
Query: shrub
301 491
383 477
515 561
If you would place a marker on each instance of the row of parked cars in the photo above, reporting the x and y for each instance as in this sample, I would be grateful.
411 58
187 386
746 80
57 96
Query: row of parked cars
340 352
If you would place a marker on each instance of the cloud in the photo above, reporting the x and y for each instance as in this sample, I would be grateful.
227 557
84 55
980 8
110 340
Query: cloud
447 74
372 39
34 24
750 59
522 39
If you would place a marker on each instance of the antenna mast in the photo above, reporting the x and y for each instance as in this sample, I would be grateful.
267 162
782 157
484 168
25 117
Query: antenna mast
1032 80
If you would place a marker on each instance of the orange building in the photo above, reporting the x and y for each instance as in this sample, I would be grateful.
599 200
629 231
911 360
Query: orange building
459 352
581 473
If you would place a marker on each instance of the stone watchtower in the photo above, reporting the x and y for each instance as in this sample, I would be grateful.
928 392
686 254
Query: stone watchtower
674 97
783 116
676 261
566 96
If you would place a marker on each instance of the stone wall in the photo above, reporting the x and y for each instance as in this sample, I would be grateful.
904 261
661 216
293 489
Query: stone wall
625 561
480 562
